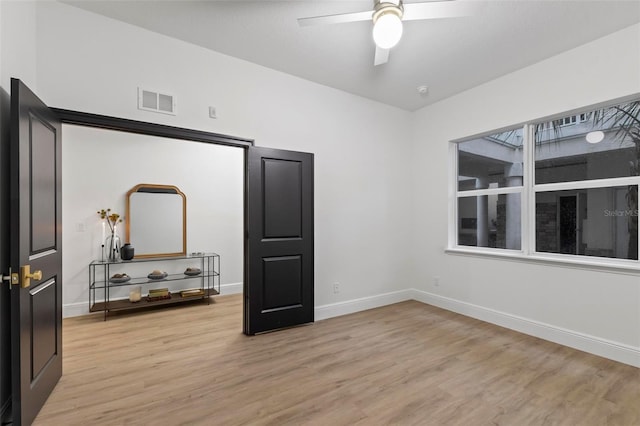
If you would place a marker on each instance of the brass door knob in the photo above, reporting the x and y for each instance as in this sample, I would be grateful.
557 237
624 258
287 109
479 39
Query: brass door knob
26 276
36 275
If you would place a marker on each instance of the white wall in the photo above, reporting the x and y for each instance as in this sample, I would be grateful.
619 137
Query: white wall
590 306
17 43
100 166
362 150
381 205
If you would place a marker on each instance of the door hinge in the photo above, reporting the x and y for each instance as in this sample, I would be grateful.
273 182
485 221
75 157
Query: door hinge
13 278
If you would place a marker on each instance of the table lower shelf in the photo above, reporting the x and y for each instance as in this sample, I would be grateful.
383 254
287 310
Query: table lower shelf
124 304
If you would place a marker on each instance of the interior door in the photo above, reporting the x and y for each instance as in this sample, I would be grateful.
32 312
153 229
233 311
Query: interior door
278 288
35 251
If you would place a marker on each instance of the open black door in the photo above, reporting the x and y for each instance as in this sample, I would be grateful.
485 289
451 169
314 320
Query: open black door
35 252
278 283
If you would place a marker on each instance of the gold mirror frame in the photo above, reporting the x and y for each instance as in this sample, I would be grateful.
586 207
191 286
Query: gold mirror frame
156 189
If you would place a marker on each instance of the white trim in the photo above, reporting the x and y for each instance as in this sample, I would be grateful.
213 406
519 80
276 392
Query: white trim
606 348
587 184
362 304
43 254
453 199
528 212
583 260
486 251
612 350
598 264
232 288
75 309
490 191
39 288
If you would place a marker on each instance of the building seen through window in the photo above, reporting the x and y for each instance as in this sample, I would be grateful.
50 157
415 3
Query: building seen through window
490 218
584 185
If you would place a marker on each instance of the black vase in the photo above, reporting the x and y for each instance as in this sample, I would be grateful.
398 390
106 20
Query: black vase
126 252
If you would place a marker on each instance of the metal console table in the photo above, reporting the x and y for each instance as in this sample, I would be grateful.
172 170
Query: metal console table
208 280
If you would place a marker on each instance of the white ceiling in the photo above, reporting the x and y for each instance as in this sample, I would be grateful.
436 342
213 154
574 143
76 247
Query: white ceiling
448 55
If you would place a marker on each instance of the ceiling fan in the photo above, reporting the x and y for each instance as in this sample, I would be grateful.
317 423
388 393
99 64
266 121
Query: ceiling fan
387 17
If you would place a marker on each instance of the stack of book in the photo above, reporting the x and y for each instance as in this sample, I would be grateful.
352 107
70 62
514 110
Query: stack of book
194 292
158 294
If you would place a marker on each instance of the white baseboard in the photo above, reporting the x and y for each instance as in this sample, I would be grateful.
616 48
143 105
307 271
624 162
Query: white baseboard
612 350
75 309
82 308
233 288
361 304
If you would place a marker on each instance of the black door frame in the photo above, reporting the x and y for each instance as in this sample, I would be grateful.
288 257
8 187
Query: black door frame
151 129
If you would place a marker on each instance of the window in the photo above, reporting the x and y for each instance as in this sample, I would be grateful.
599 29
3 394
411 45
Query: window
564 187
590 222
489 191
567 121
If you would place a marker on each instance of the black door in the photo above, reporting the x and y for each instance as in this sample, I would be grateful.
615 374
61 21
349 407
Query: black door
35 249
278 284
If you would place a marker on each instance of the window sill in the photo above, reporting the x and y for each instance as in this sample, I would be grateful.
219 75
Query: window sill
619 266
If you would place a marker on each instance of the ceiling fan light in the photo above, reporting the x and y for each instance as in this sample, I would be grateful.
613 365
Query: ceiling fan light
387 30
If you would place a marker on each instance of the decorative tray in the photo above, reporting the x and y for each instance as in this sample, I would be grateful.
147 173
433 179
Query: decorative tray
192 271
155 276
119 278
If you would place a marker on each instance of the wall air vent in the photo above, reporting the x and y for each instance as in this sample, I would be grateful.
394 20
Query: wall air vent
150 100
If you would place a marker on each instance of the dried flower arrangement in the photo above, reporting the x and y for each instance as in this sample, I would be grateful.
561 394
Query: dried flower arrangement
113 246
111 219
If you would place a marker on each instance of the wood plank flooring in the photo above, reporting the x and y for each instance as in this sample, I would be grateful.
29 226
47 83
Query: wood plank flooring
404 364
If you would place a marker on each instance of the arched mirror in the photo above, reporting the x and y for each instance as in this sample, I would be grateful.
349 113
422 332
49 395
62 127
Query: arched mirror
156 220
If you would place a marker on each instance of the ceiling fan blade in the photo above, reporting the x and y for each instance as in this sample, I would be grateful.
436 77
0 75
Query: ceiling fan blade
382 56
335 19
435 10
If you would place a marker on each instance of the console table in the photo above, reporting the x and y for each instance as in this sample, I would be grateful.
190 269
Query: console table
102 283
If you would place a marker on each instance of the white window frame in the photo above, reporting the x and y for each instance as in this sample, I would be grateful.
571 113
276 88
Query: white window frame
528 199
453 201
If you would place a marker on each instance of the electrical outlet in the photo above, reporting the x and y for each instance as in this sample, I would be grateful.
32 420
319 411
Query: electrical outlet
336 288
80 227
436 281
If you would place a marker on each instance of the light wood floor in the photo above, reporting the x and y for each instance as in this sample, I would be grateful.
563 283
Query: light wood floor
407 363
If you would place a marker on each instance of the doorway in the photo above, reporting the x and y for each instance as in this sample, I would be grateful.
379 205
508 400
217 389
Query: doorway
101 165
278 278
